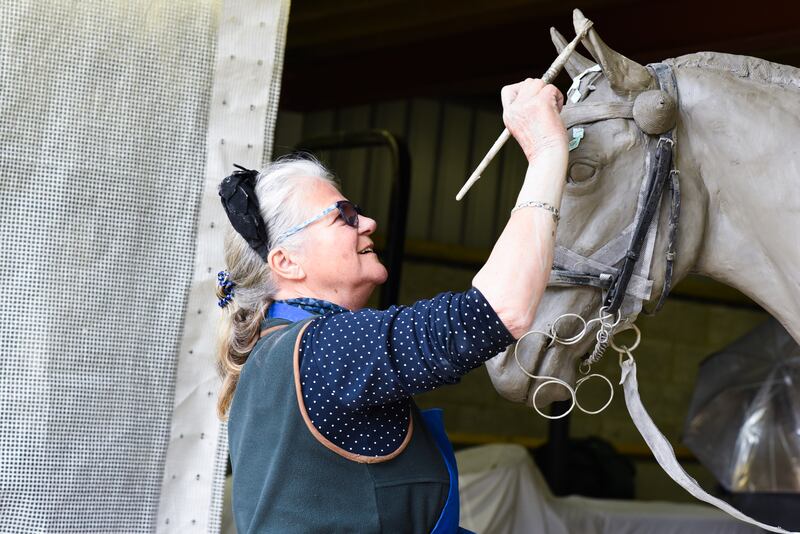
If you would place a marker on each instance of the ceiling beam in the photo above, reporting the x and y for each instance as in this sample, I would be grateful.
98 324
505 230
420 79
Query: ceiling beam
380 52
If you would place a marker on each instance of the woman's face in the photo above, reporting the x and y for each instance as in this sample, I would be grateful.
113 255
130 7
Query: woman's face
334 255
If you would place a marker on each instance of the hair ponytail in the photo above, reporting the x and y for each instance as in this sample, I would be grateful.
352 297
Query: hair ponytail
238 335
280 188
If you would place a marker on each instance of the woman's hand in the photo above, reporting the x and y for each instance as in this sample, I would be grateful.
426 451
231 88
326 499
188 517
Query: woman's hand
531 112
515 276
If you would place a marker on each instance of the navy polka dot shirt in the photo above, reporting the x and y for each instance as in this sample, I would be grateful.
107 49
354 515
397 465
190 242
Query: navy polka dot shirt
359 369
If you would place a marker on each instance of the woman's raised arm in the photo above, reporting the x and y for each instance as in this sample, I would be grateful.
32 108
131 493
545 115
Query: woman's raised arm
515 276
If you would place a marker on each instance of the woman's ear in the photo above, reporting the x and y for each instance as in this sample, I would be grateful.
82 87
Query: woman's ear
284 264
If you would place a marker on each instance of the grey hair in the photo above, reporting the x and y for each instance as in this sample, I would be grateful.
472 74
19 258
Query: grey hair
280 189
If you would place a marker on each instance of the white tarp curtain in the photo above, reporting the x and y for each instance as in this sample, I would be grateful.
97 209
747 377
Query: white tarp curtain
117 121
502 492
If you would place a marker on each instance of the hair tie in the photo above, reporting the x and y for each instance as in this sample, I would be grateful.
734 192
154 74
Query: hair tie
226 284
239 199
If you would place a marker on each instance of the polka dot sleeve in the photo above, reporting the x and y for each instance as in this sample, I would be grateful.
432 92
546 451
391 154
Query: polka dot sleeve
368 358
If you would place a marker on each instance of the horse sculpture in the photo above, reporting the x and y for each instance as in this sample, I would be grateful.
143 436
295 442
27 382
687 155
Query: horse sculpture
734 124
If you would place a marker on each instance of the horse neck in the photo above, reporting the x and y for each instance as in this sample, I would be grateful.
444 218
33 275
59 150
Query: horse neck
739 140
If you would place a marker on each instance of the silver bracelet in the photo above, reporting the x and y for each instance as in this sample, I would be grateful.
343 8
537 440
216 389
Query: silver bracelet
536 204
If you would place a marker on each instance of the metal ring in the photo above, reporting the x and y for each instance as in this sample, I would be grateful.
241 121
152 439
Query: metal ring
549 328
625 348
553 380
548 380
578 385
529 332
588 367
603 316
572 339
516 358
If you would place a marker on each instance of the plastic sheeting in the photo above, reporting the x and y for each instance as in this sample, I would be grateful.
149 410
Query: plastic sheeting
502 492
744 419
117 120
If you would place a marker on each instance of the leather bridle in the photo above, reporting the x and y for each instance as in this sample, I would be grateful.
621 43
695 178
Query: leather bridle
599 270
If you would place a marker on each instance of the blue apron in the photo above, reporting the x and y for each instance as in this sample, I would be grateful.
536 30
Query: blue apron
448 520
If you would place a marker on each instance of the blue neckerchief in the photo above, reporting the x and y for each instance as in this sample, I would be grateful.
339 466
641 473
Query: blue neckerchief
281 310
315 306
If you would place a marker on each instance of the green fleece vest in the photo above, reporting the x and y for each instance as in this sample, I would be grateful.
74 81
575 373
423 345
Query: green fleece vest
288 478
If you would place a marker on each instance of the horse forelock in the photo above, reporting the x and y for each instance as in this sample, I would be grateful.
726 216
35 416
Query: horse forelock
751 68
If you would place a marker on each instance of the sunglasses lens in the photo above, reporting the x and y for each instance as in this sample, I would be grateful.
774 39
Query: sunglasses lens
350 213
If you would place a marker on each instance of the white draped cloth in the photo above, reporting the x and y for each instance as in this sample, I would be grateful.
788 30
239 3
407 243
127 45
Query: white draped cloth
503 492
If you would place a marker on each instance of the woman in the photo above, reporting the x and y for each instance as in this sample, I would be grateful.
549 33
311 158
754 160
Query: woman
324 436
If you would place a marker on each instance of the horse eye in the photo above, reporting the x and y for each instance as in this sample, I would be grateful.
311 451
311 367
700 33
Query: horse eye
580 172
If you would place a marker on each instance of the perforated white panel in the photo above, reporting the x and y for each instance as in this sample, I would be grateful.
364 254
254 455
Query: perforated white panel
242 114
103 121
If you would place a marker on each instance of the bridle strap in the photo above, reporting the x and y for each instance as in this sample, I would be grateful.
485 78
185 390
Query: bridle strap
644 226
562 278
574 267
662 168
674 215
588 112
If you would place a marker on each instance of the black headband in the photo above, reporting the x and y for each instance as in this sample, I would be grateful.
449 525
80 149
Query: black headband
239 199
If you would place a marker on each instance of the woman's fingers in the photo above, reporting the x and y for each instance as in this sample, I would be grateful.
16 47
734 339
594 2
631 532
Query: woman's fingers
509 93
531 113
527 88
558 96
530 88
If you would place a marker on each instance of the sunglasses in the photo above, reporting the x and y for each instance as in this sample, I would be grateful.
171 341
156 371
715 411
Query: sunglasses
348 211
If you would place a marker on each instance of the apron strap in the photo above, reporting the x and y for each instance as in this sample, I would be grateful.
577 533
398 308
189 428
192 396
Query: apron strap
448 520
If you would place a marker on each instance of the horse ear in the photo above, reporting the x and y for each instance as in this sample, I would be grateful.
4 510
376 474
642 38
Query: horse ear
625 76
576 63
